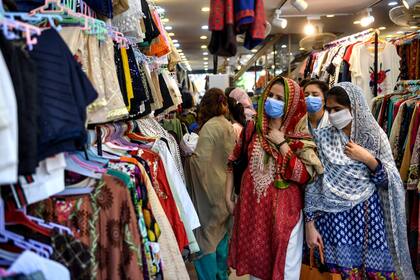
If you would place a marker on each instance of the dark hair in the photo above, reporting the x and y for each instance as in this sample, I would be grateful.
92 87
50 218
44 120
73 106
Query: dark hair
228 90
237 111
340 95
323 86
250 93
187 100
213 104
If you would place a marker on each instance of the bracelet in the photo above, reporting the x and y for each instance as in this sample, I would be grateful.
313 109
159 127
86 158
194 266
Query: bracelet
282 143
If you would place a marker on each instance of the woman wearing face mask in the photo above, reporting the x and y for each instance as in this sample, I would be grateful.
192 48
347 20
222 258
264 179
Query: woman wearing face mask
315 101
355 211
267 236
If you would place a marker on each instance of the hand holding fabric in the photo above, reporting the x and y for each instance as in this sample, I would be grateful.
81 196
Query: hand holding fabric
356 152
276 136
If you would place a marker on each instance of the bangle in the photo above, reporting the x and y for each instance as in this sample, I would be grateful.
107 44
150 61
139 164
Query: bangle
282 143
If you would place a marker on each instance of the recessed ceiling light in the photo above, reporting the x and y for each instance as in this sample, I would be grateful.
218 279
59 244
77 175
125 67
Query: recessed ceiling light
205 53
309 29
203 46
356 22
205 27
301 49
254 51
400 32
393 3
330 16
382 28
165 20
205 58
171 34
206 62
413 27
168 27
205 9
283 46
203 37
177 45
174 41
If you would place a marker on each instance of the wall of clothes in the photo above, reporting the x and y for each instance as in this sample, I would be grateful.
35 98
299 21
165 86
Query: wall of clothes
108 202
398 114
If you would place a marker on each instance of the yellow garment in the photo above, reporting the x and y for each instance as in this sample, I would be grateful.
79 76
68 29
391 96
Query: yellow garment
127 75
405 165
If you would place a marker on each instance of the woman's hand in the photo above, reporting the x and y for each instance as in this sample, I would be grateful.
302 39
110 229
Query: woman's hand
230 205
276 136
356 152
313 238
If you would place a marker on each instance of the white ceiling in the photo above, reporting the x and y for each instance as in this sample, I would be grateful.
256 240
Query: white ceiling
186 18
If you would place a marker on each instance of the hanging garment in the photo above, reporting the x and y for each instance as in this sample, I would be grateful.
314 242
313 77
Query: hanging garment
29 262
256 33
22 71
129 22
102 7
64 92
150 27
361 67
8 127
221 23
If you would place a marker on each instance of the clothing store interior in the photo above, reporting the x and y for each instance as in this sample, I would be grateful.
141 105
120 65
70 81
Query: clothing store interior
209 139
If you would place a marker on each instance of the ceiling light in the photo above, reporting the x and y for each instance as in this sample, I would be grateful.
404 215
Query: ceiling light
205 53
382 28
393 3
330 16
177 45
203 37
205 63
366 21
174 41
205 27
165 20
300 5
309 29
278 20
171 34
203 46
413 27
273 66
205 9
301 49
283 46
400 32
168 27
356 22
205 58
254 51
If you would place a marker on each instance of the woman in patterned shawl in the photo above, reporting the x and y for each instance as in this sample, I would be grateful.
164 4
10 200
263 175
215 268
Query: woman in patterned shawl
355 211
267 236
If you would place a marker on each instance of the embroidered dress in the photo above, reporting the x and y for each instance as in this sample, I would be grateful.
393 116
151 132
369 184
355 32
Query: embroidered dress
270 202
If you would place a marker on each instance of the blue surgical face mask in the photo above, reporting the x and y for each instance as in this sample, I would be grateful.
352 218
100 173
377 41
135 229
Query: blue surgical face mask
274 108
313 103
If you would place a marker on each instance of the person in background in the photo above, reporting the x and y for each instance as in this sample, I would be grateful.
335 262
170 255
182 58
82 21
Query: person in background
188 117
315 91
267 236
242 97
206 176
237 116
355 211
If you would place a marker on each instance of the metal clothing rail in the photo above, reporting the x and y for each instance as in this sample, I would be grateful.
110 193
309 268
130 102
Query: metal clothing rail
350 37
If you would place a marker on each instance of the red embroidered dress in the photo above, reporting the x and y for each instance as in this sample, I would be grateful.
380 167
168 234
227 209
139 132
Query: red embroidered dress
265 215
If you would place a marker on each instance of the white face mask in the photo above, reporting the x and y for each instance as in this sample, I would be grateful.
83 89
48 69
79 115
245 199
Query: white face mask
341 118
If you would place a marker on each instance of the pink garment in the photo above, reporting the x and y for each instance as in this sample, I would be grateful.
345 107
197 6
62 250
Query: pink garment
242 97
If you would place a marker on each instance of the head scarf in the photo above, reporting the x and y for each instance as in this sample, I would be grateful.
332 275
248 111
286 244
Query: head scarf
242 97
328 194
295 126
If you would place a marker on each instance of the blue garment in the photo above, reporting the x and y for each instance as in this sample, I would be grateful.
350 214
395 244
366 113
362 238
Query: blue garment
214 266
345 233
64 92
